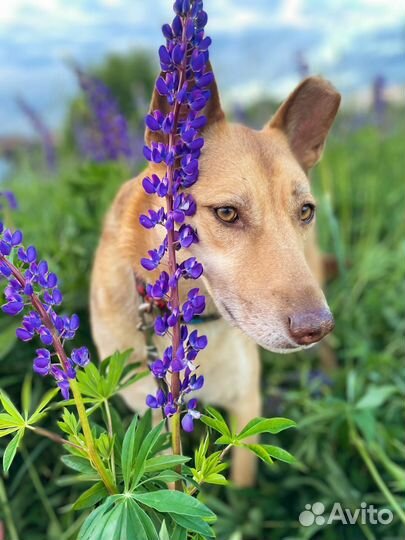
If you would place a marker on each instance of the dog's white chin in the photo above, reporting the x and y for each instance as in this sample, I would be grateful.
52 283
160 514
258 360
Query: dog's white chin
287 350
271 337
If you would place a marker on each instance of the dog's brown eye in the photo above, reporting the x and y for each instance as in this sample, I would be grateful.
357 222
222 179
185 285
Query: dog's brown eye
307 213
228 214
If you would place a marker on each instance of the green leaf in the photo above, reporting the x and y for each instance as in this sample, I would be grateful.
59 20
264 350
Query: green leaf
216 478
89 381
196 525
216 421
127 456
7 431
174 502
11 449
366 422
78 464
278 453
165 476
225 439
136 514
7 421
265 425
39 411
115 367
260 452
164 533
91 496
94 520
11 409
179 533
118 518
159 463
376 396
26 395
142 455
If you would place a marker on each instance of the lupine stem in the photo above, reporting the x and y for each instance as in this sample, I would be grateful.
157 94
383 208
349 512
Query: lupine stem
171 248
52 436
91 449
176 445
111 433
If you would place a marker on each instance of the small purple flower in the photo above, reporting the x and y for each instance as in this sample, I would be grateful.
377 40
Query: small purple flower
196 342
156 402
42 362
80 356
191 415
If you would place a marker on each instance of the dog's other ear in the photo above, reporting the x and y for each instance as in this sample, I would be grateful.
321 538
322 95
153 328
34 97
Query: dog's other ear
213 110
306 118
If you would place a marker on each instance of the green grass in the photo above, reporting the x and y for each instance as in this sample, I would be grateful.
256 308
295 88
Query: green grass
350 447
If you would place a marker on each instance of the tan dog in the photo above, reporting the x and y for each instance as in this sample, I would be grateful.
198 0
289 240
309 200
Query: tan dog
255 223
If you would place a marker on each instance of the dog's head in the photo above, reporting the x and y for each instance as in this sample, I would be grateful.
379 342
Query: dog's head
254 212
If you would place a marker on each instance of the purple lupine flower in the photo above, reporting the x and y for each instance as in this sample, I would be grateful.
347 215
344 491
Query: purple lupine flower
108 138
10 199
46 137
184 82
191 415
32 290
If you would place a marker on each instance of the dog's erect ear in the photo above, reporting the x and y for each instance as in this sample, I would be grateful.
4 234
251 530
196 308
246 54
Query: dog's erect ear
306 118
213 110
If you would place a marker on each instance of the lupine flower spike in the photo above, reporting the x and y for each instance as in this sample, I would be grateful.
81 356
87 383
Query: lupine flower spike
108 138
32 290
185 83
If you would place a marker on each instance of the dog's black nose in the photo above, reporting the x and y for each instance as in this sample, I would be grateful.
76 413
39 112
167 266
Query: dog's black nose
310 326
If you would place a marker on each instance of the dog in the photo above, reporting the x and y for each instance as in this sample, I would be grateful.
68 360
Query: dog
262 268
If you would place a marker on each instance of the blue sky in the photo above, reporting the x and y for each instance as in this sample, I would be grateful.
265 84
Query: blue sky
254 51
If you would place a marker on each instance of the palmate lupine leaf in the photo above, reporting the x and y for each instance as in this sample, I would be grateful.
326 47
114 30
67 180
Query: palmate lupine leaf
98 386
11 422
118 518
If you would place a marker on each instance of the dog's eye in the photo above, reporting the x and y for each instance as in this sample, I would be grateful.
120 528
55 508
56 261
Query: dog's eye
227 214
307 213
